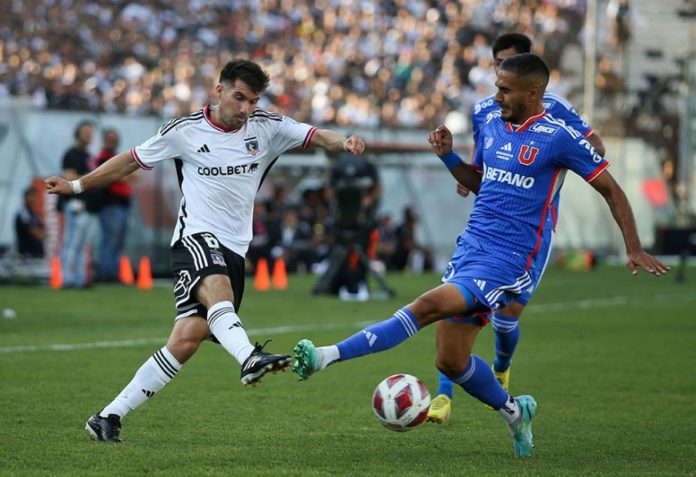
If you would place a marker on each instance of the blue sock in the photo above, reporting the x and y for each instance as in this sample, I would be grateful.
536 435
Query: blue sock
507 334
380 336
478 380
445 386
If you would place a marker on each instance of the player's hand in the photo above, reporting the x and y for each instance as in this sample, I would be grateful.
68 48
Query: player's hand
441 140
58 185
462 190
647 262
354 144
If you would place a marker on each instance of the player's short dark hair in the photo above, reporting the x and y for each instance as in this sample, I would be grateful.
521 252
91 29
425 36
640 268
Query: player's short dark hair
247 71
521 43
526 64
80 125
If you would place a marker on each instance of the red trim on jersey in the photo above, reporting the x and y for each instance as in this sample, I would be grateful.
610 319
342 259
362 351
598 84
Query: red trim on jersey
308 138
509 127
544 215
529 121
589 132
137 159
554 216
208 117
597 172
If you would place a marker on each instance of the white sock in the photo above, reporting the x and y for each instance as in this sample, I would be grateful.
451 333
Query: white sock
157 371
328 355
226 326
510 410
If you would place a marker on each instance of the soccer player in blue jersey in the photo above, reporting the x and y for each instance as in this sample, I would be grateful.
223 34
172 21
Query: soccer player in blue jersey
505 321
490 266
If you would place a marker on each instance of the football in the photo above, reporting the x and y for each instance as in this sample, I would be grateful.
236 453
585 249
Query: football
401 402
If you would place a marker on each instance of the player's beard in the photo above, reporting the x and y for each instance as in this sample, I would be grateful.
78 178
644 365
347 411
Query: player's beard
233 122
511 114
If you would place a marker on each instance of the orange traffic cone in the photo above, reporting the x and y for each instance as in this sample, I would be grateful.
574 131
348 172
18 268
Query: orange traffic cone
125 271
56 279
280 276
144 274
261 280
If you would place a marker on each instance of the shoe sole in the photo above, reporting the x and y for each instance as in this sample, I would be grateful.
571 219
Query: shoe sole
302 364
436 419
256 377
94 435
529 409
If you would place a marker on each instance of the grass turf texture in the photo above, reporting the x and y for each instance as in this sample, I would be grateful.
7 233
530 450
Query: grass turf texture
608 357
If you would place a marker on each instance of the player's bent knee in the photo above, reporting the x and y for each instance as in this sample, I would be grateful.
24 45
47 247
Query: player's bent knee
183 348
451 365
426 310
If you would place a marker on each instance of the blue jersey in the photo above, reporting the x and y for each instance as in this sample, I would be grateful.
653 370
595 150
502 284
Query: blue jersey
523 170
555 105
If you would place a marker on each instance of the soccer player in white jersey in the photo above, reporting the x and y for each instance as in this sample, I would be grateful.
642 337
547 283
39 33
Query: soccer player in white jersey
505 321
490 265
222 154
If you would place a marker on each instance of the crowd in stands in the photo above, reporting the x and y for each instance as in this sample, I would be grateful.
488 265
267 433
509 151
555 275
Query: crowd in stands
359 63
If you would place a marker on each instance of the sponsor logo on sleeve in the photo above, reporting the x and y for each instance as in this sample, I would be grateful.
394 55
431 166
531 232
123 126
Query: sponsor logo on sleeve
543 129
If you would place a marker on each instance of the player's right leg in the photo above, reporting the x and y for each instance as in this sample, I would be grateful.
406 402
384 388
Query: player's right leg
211 284
472 373
507 335
432 306
150 378
441 405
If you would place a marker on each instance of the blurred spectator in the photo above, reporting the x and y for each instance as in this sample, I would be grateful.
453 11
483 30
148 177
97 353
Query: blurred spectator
607 81
295 244
79 212
409 253
261 242
113 215
619 13
388 241
29 227
359 63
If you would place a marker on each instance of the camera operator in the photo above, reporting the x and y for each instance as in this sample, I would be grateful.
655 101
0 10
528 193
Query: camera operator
356 191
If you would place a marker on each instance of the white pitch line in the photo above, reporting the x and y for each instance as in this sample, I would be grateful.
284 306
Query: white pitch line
281 330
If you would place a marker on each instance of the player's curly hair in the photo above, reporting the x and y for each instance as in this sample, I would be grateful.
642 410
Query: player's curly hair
247 71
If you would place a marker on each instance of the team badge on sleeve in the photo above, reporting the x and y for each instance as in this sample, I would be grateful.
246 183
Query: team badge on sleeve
252 145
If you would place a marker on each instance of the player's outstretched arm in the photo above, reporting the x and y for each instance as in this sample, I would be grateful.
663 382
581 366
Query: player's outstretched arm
114 169
623 215
597 143
468 178
334 142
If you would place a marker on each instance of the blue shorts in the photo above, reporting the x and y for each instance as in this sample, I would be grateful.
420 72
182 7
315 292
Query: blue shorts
538 267
495 283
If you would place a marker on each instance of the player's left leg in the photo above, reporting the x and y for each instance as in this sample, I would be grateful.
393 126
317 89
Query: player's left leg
445 300
472 373
151 377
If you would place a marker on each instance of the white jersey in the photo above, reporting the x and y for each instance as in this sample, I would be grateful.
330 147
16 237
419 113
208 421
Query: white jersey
220 170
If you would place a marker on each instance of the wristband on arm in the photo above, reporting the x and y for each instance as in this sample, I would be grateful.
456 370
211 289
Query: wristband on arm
451 160
76 186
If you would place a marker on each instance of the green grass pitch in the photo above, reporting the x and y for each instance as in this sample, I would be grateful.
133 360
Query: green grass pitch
609 357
